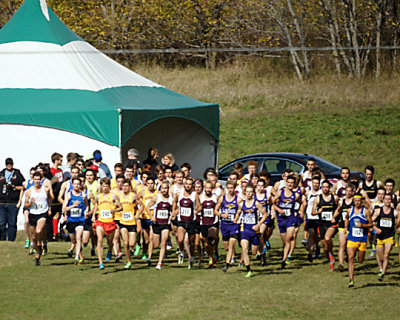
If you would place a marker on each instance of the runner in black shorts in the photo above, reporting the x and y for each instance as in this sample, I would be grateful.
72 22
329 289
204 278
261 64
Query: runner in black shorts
184 207
161 217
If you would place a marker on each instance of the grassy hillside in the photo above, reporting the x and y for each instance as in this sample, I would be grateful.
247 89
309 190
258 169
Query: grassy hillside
344 121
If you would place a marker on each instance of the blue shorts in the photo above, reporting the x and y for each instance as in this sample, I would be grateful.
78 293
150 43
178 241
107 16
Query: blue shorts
285 223
299 221
250 235
146 223
229 230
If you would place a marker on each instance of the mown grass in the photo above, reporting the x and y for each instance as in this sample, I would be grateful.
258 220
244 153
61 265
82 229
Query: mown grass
60 289
347 122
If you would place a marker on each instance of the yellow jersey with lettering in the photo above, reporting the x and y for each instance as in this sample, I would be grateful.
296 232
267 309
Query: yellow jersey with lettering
117 215
146 199
128 209
106 204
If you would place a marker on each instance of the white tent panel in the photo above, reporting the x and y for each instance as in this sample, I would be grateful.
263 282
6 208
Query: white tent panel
28 64
29 145
185 139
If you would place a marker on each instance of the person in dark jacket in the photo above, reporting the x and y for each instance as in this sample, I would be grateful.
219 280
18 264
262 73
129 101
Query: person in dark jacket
11 181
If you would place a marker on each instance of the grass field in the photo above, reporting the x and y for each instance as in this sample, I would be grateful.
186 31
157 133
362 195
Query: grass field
59 289
346 122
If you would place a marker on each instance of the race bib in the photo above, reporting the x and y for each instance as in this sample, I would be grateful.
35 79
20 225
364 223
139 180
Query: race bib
127 216
75 212
344 214
386 223
162 214
250 219
229 219
357 232
209 213
287 212
106 214
296 206
186 212
40 206
327 215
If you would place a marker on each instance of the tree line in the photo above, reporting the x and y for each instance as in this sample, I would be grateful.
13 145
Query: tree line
363 34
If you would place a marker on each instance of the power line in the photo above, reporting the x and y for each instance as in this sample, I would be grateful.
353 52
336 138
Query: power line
210 50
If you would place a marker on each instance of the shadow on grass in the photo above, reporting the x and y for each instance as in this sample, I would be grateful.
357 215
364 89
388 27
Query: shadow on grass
380 284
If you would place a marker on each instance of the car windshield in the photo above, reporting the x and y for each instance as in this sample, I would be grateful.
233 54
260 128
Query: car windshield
278 166
224 173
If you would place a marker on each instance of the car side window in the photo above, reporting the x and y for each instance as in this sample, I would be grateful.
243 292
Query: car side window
278 166
224 174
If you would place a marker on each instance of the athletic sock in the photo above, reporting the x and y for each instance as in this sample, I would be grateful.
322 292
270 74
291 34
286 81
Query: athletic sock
227 265
55 227
248 268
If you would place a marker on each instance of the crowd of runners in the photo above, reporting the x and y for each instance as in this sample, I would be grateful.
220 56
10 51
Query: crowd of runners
141 207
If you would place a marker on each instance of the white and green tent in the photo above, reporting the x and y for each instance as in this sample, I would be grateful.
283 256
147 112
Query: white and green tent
59 94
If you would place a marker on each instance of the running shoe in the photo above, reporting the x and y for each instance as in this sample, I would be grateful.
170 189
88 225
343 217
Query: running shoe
27 243
44 250
80 262
144 257
225 269
158 266
210 263
268 245
199 263
70 253
31 250
288 260
263 259
149 262
180 258
137 250
341 268
351 284
380 273
37 264
381 278
240 265
118 257
331 267
108 256
283 264
265 249
248 274
371 255
191 261
128 265
92 252
233 260
317 252
304 242
101 266
310 257
76 260
258 257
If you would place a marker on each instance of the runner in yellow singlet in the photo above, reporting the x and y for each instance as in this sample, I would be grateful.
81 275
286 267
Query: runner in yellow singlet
107 204
145 195
118 216
129 215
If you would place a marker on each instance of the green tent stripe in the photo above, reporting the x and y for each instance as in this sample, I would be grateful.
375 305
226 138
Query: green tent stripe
96 114
82 112
29 24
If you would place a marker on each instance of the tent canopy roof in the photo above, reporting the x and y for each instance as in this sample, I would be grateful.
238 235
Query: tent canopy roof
51 77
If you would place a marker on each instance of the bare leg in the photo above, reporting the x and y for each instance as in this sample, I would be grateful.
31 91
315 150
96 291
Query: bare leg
351 253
